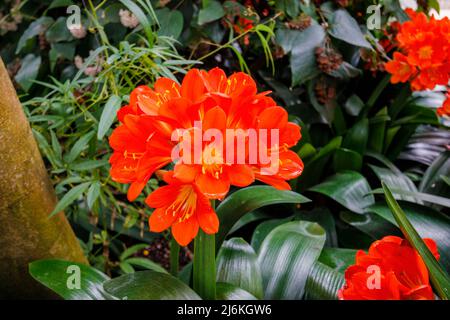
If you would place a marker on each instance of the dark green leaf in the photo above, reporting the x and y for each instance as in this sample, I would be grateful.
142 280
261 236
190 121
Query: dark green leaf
338 259
301 45
36 27
346 159
149 285
226 291
356 138
247 200
211 12
249 218
61 277
58 31
323 283
371 224
349 188
79 146
237 265
286 257
344 27
263 229
432 181
146 264
314 168
396 180
400 194
28 71
171 22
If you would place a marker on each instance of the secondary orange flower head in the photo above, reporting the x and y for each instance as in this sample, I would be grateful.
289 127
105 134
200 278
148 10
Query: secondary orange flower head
423 58
391 270
159 120
445 108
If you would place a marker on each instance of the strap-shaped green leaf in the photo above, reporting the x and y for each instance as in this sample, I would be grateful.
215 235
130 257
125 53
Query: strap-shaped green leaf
149 285
286 257
71 280
237 264
247 200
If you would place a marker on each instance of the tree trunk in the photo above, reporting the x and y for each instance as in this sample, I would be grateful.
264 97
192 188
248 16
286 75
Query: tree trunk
26 200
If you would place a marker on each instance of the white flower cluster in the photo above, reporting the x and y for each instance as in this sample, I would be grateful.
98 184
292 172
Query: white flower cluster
128 19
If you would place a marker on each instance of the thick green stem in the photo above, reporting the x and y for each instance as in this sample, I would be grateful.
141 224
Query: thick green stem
174 257
204 278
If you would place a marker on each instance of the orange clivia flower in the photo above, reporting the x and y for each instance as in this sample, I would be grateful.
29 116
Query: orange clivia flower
217 130
444 110
400 68
184 208
423 58
138 151
391 270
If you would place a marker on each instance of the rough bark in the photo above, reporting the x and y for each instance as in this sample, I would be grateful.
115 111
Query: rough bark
26 200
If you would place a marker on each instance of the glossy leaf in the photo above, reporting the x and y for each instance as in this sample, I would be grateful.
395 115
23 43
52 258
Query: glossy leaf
60 276
171 22
211 12
346 159
371 224
28 71
250 217
344 27
263 229
418 196
397 180
36 27
226 291
146 264
356 138
58 31
286 257
338 259
247 200
432 181
323 283
301 46
377 131
349 188
314 168
323 217
237 265
149 285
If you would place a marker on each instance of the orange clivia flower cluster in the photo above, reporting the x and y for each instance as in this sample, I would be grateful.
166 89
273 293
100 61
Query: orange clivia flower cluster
391 270
143 143
423 58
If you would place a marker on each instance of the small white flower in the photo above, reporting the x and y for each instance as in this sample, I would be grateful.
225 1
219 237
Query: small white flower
128 19
78 31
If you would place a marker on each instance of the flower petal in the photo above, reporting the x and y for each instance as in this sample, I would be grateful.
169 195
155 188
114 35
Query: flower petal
160 220
185 231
